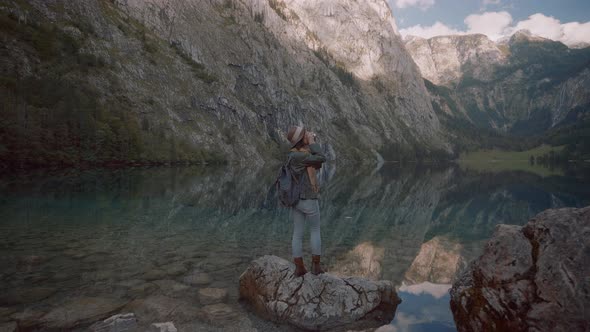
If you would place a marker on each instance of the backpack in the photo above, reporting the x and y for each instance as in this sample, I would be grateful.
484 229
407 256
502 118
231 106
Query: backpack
288 186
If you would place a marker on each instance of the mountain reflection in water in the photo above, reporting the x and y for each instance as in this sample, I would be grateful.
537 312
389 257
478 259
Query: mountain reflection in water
117 233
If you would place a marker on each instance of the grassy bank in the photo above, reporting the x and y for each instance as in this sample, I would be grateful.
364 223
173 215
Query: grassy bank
495 160
502 155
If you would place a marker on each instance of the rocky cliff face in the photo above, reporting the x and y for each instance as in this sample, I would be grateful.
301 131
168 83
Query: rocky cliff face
444 60
524 85
219 79
305 62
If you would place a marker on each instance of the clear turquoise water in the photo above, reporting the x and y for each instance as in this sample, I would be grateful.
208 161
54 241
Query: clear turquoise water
137 234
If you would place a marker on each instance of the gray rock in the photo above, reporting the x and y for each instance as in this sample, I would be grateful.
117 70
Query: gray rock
530 278
116 323
212 295
314 302
163 327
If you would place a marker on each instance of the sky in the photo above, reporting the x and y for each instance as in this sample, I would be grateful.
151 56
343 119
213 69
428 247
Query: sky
567 21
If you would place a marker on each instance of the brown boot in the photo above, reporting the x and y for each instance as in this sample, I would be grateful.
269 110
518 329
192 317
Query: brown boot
315 265
299 267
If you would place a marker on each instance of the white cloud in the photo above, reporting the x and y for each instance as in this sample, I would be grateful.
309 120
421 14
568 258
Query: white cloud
497 25
541 25
576 33
437 29
436 290
422 4
493 24
571 33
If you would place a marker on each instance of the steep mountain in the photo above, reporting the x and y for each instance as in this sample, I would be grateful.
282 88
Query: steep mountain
445 60
97 81
523 86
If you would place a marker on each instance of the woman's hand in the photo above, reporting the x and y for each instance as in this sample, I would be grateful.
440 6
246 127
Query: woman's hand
310 137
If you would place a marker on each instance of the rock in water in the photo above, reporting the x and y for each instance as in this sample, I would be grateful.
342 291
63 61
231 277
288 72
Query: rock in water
212 295
314 302
530 278
116 323
197 278
163 308
79 311
219 312
163 327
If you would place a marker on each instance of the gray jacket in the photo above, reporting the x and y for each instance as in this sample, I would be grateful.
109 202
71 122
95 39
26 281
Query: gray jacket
300 161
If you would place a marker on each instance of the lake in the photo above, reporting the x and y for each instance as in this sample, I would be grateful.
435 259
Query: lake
145 240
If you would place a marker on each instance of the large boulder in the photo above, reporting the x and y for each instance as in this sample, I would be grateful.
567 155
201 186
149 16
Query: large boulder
529 278
314 302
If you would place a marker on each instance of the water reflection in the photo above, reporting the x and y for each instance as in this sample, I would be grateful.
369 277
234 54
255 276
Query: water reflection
437 261
364 260
150 238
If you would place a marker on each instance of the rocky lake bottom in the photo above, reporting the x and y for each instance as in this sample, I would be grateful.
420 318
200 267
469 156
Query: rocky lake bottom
169 244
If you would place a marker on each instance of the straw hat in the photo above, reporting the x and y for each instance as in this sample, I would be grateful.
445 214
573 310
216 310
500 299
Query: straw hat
295 135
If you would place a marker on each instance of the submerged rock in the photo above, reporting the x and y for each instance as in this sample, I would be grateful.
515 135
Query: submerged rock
154 274
163 327
219 312
239 323
530 278
171 287
174 269
197 278
116 323
163 308
314 302
79 311
212 295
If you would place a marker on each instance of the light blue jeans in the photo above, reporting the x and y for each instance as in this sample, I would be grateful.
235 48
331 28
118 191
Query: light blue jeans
306 209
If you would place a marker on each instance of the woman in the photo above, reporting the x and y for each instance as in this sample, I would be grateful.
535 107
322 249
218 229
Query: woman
306 157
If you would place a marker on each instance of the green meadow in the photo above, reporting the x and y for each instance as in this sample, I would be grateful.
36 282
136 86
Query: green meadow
494 160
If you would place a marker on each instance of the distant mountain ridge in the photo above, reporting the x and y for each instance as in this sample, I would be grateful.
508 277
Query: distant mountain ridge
525 86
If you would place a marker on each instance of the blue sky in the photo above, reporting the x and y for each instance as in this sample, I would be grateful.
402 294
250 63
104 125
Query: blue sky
551 18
